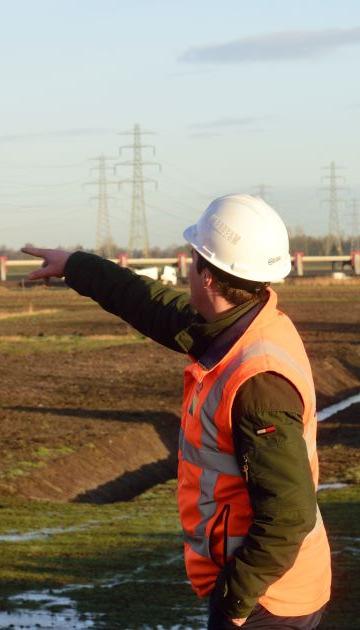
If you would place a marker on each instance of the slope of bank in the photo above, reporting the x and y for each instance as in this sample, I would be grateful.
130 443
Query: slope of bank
89 410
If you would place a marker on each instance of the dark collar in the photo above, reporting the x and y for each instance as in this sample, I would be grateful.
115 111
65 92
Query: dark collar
225 340
199 337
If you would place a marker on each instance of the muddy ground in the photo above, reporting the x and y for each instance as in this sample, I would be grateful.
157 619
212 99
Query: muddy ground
90 412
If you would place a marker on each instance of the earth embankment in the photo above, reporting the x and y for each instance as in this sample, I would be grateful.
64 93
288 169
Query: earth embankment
90 412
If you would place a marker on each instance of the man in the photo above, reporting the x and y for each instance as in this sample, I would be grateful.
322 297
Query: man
248 469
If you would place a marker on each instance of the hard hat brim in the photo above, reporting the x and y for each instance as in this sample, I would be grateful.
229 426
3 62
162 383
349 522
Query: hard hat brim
189 235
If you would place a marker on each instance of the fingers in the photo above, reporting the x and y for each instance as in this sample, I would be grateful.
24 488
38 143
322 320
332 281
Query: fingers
39 274
35 251
53 264
43 272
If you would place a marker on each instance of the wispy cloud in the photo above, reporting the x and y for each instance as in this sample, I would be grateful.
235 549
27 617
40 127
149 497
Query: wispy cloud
274 46
191 73
222 123
212 128
203 135
45 135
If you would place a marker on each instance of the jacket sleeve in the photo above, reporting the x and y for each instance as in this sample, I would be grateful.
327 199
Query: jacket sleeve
153 309
280 486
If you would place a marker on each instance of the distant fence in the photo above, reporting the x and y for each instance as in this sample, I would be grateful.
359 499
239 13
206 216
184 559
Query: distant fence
314 265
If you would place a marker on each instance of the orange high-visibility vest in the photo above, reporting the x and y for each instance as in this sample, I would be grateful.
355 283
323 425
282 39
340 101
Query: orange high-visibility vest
213 498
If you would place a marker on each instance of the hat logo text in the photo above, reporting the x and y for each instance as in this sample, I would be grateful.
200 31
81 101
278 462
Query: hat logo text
271 261
224 230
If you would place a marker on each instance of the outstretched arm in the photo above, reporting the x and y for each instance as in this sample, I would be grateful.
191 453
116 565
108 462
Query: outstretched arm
153 309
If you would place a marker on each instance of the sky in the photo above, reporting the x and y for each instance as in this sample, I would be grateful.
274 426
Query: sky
238 94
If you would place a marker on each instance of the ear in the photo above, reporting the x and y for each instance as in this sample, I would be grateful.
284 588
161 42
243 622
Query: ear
207 278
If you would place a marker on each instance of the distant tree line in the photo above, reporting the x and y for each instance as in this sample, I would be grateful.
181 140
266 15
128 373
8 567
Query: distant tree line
317 245
299 242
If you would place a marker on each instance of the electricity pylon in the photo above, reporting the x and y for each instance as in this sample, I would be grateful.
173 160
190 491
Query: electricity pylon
355 226
333 239
138 236
261 191
104 242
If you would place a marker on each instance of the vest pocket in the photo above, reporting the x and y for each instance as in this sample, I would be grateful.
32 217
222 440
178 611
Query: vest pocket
218 537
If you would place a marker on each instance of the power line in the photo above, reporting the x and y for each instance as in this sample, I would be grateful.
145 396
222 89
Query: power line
39 187
138 236
49 221
186 175
42 166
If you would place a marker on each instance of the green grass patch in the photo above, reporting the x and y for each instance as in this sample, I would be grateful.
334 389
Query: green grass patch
43 451
21 468
41 456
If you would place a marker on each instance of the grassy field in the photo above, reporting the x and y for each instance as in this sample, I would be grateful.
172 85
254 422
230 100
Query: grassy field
121 564
74 379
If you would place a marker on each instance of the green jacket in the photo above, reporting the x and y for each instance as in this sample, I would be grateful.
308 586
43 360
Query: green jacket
279 478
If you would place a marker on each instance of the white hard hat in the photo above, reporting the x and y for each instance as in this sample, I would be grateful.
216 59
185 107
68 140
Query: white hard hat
243 236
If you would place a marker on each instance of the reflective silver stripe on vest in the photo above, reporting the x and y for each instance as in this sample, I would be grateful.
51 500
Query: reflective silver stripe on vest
208 459
206 504
212 464
200 544
213 399
278 352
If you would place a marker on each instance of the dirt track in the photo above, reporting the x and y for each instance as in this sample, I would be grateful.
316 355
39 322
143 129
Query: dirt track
70 416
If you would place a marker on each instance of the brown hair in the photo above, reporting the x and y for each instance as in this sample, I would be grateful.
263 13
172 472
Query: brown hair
234 290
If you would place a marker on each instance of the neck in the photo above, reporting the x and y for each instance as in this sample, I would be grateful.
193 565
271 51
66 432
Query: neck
215 306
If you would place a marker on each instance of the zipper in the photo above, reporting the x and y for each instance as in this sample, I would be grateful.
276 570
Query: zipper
245 468
226 522
222 516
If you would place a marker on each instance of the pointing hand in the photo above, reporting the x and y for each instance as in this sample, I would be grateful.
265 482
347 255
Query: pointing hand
53 264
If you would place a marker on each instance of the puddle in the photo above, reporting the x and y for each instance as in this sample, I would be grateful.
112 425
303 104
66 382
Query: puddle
39 533
198 620
67 618
201 619
327 412
46 532
35 609
332 486
348 545
355 551
45 618
135 575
